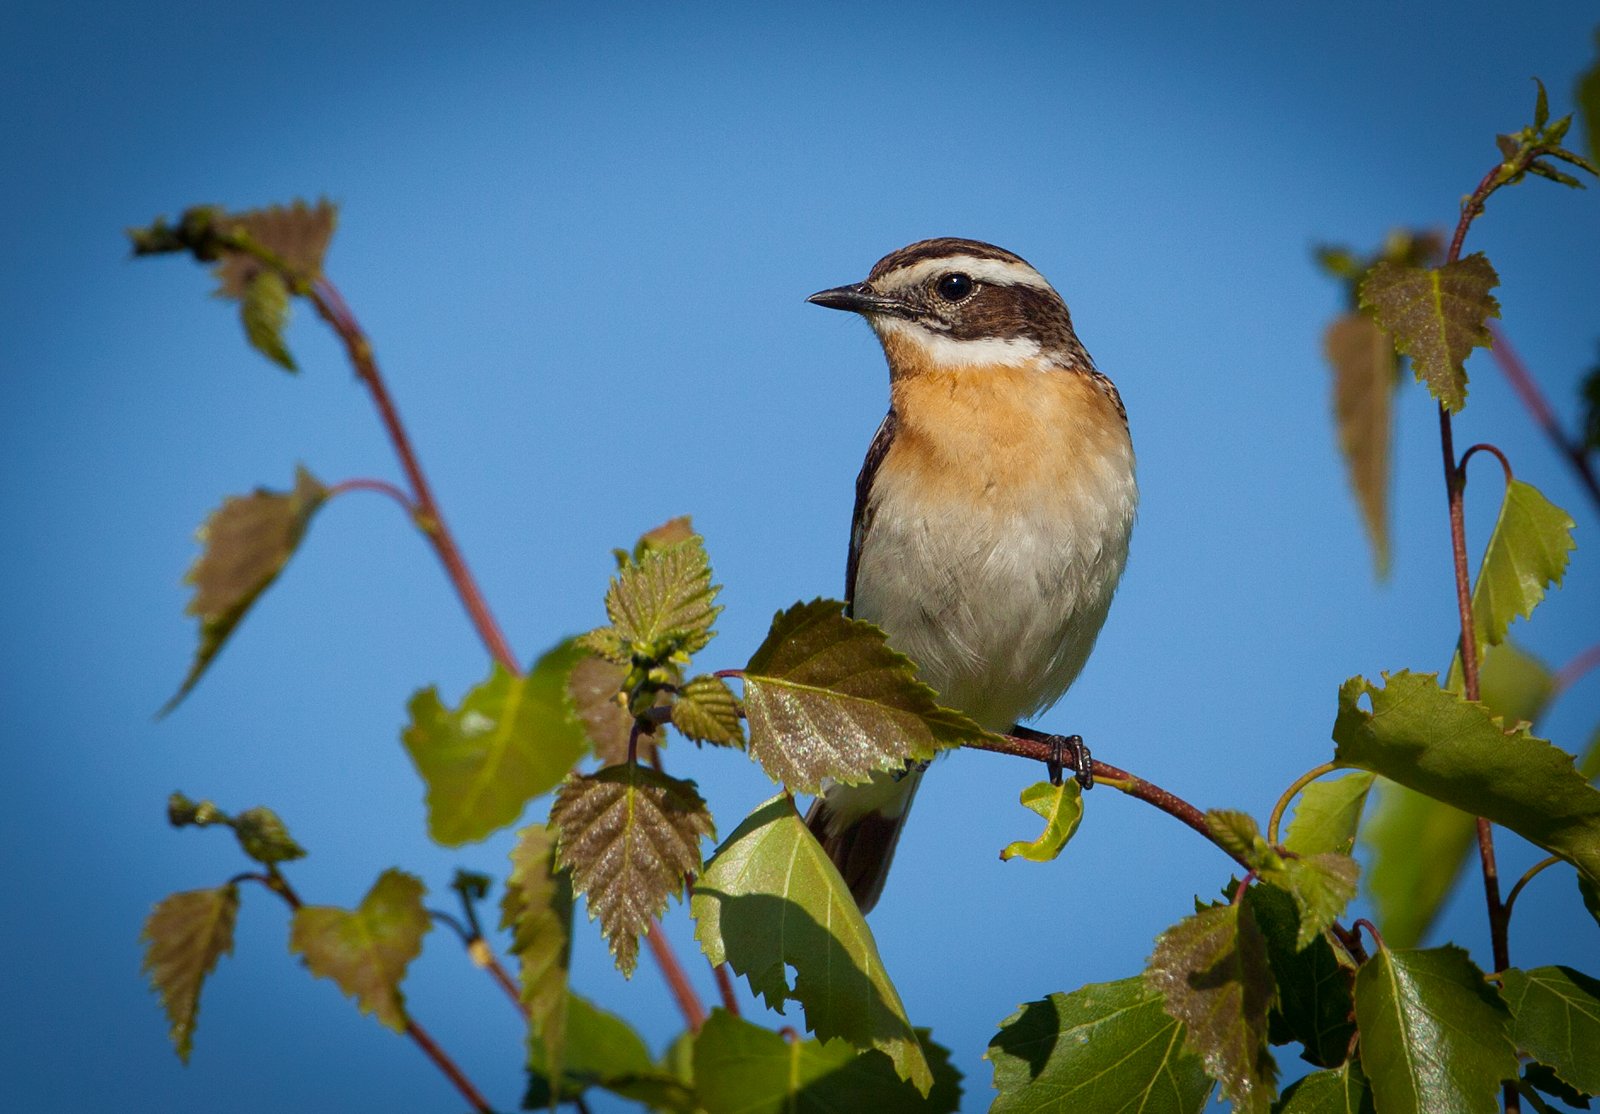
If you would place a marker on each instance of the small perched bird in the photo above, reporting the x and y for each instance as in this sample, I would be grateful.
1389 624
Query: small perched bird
992 512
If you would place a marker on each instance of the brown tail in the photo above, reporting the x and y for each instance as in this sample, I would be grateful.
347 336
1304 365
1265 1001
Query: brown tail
861 843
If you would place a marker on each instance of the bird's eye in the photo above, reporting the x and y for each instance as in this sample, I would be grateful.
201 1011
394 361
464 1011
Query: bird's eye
954 286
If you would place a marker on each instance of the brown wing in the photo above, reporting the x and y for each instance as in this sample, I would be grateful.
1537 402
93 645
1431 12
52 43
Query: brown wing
861 520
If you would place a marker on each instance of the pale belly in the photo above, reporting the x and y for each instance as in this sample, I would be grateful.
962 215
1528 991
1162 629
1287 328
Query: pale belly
998 608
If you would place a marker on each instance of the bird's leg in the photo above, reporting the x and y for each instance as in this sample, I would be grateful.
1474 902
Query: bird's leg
1060 746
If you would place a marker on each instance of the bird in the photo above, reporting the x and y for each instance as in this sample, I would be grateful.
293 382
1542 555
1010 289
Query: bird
992 513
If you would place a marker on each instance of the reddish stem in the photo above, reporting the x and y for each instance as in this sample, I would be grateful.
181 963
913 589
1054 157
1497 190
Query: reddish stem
1569 674
730 1001
689 1004
331 306
1533 399
382 487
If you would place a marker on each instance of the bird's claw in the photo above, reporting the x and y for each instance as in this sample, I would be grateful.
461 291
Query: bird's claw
1083 764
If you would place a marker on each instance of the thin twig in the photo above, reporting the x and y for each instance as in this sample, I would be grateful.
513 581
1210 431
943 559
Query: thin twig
382 487
730 1001
1282 806
1527 388
689 1004
330 304
1528 876
1569 674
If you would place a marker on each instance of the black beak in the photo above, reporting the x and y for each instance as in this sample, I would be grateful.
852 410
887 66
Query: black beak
860 298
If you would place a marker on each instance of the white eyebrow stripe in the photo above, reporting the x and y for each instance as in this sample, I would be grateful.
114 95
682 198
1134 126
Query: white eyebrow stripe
1002 272
947 352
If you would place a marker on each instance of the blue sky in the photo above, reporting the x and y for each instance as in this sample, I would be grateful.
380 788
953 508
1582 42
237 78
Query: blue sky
581 241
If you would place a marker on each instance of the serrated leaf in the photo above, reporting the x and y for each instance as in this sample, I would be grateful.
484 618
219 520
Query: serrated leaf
745 1069
184 937
607 644
1106 1046
367 950
1213 975
264 837
662 604
1321 886
603 1051
706 710
1341 1090
1314 987
1456 751
1437 316
264 311
298 234
1541 1077
1062 809
593 687
1555 1014
827 699
630 836
1435 1037
1527 553
511 739
770 898
1419 846
1239 834
1328 815
1365 375
247 542
537 907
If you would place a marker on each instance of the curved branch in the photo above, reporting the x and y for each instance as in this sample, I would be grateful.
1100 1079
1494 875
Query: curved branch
1533 400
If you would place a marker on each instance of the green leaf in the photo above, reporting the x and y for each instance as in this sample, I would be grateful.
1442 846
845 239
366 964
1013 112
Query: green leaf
1420 846
367 950
184 937
264 838
510 740
630 836
707 712
1341 1090
1213 975
1555 1014
1540 1076
1365 375
537 907
1062 809
1587 95
603 1051
1239 834
1527 552
828 699
770 898
248 541
1435 1037
661 605
1437 316
1314 986
1321 886
1457 752
1589 891
745 1069
1328 815
264 310
1106 1046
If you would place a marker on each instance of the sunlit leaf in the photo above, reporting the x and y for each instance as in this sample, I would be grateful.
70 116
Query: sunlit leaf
706 710
1328 814
1437 316
264 837
1062 809
1435 1037
537 907
1239 834
367 950
1458 752
1213 975
744 1069
1365 374
511 739
1321 886
264 311
248 541
630 836
297 234
603 1051
1106 1046
770 900
828 699
1341 1090
1555 1018
662 604
184 937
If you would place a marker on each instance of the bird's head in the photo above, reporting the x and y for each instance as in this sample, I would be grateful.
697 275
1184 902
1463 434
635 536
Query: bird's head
948 303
